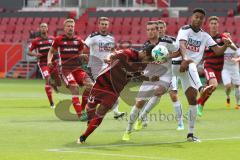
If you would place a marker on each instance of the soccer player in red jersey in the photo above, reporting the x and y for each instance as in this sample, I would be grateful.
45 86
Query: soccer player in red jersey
70 49
111 81
41 45
213 63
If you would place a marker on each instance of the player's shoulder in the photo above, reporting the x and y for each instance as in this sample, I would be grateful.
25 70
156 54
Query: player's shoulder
186 27
98 34
167 39
36 39
59 37
51 37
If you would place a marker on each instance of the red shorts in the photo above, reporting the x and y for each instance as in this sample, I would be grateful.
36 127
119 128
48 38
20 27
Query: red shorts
104 96
77 76
45 70
211 73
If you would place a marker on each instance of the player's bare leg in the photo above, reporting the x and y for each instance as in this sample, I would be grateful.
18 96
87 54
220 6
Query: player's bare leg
178 108
203 98
237 96
227 89
191 94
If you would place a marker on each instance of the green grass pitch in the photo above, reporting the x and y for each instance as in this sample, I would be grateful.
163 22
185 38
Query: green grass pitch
30 130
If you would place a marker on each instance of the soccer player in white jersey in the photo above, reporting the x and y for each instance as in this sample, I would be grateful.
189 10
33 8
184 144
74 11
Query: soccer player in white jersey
101 44
142 120
230 72
192 42
152 91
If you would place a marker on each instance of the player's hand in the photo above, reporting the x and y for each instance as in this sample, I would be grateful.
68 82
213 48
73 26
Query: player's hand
235 59
50 65
227 42
184 65
38 55
154 78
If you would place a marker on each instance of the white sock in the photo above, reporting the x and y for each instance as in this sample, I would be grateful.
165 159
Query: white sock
178 111
132 118
194 76
237 95
149 106
115 107
192 115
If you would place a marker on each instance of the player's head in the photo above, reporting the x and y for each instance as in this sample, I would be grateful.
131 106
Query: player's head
198 18
146 53
103 25
152 29
161 28
43 28
69 25
213 23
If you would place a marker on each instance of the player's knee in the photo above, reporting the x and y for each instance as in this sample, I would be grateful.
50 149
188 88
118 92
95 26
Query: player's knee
140 103
214 83
173 96
228 86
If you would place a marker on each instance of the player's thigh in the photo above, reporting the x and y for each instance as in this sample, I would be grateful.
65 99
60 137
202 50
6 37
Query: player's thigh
80 76
146 91
174 83
44 71
235 77
209 74
226 77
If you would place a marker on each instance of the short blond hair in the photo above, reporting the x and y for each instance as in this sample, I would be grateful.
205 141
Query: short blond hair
68 21
213 18
161 22
41 24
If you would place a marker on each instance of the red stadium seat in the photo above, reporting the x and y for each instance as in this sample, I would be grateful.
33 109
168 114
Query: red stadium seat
37 21
127 21
45 20
21 21
172 21
144 21
5 21
136 21
29 21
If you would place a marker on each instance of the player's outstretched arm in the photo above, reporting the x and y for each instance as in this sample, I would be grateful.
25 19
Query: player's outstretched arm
174 54
50 56
219 50
30 53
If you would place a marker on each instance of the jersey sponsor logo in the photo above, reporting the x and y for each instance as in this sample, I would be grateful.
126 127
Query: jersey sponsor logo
105 47
45 48
70 49
228 56
193 45
75 42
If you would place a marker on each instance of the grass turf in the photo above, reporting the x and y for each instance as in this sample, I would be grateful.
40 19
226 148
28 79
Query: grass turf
29 129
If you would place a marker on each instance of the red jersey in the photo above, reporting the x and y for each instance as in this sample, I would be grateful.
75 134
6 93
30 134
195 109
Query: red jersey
210 59
125 65
70 50
42 46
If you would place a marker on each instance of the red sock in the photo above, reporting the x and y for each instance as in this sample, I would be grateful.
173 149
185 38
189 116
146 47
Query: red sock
77 106
84 98
48 90
93 124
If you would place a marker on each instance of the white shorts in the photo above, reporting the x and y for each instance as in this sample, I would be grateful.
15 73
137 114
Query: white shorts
96 70
230 77
187 80
147 89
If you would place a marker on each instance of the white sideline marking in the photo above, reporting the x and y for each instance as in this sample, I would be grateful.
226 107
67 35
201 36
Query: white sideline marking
111 154
70 150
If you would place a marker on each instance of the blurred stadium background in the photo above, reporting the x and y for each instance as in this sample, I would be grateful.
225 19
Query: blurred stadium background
19 21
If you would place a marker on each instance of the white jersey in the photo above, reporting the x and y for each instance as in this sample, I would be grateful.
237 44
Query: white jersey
165 68
100 47
197 41
228 55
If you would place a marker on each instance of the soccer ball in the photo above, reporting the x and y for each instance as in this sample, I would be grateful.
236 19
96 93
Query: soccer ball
159 53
